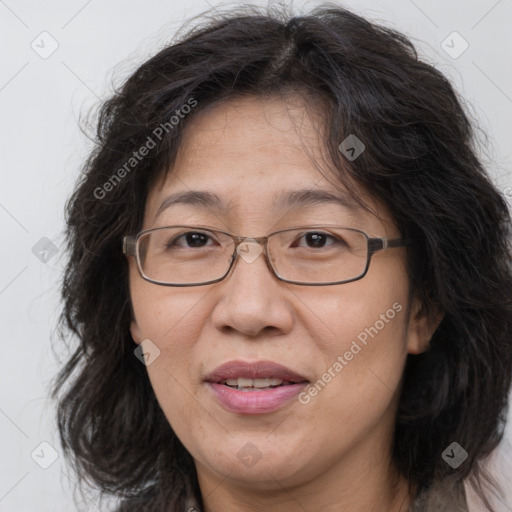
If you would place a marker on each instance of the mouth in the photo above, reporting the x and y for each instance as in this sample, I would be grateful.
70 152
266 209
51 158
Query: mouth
254 387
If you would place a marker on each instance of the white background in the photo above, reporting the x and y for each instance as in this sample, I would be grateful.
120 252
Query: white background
41 150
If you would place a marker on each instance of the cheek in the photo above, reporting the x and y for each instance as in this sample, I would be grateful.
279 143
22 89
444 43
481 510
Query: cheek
367 346
371 312
169 319
161 311
364 348
173 326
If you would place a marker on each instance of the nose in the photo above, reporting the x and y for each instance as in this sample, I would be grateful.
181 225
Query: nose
251 298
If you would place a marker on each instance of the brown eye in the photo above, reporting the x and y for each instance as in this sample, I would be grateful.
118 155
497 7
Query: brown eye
191 238
318 240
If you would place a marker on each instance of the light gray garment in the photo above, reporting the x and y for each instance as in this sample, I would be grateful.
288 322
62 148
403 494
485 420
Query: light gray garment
445 497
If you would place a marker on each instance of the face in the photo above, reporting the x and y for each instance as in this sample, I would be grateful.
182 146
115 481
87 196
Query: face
347 343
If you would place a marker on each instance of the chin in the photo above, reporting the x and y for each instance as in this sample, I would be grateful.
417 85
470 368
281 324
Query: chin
259 463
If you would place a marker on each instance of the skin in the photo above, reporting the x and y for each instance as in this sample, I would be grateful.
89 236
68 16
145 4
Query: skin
336 448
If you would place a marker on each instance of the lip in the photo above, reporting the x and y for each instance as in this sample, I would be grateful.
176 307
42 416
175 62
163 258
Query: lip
254 402
253 370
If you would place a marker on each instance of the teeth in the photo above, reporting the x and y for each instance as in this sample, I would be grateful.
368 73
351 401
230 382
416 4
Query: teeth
263 383
243 383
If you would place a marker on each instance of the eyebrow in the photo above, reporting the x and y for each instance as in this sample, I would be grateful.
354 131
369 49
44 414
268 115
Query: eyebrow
291 199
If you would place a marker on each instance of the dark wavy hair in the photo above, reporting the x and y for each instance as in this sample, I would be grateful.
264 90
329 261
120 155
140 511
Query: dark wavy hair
420 161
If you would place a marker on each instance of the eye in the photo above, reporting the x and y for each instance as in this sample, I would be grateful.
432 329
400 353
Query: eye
193 239
316 239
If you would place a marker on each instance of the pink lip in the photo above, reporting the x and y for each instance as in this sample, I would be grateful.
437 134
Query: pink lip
254 402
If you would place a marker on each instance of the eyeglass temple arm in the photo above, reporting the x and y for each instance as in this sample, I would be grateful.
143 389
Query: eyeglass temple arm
379 244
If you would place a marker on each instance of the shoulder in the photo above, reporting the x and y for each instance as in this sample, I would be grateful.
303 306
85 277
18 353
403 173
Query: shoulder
441 497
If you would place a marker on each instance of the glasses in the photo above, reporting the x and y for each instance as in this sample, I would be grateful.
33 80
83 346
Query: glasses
309 255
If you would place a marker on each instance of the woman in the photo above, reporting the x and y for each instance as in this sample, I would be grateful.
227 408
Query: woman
289 276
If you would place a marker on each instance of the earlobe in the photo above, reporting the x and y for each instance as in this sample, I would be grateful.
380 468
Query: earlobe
135 332
422 326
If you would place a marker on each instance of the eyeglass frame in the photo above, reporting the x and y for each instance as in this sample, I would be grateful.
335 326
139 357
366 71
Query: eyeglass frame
374 245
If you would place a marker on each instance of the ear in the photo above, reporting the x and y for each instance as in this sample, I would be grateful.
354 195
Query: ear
422 327
135 332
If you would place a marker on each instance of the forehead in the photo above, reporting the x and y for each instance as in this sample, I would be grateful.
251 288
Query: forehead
250 154
246 133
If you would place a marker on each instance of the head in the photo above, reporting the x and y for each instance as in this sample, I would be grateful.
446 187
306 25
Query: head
254 108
